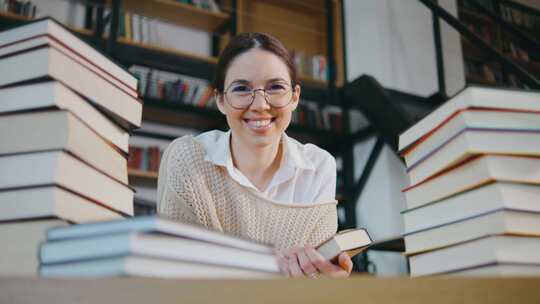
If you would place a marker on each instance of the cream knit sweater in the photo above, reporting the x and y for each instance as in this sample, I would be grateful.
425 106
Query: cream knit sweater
195 191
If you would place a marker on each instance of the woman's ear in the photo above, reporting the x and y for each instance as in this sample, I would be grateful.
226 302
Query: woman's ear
296 97
220 102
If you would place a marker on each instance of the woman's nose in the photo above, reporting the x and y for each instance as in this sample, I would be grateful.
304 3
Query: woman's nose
259 100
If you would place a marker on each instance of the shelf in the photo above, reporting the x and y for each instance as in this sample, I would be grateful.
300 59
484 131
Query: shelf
142 174
139 177
474 16
471 79
208 59
177 13
312 82
13 16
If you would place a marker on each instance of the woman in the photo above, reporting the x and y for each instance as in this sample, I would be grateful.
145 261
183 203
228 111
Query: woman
254 181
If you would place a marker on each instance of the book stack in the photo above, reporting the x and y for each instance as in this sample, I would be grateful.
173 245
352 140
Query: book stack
150 246
65 115
474 168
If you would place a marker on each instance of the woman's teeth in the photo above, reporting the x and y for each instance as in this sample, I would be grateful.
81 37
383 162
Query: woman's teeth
259 123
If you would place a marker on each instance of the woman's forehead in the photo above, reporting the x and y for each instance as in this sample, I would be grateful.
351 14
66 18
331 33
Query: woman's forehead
256 66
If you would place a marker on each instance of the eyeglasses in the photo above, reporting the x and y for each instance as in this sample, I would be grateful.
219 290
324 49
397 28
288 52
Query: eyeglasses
241 96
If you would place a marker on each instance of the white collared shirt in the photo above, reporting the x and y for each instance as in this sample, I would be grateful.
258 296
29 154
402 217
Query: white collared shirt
306 175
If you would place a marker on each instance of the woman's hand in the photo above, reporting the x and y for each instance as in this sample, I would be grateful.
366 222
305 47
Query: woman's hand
306 261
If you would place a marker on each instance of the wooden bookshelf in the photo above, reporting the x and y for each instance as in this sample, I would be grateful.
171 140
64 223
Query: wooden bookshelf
301 25
142 174
473 16
13 16
150 47
177 13
136 176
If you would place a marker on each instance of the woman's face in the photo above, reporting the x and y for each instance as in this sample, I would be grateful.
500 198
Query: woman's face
260 124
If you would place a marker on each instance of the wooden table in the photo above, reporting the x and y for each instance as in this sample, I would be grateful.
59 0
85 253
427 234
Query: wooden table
357 289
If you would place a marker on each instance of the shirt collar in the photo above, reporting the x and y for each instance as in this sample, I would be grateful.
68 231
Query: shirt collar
220 154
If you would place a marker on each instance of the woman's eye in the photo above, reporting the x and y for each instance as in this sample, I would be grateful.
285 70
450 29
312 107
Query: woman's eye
241 89
276 87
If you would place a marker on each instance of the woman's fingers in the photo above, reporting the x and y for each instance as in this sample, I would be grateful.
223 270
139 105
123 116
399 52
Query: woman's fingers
325 267
294 267
283 263
305 263
345 262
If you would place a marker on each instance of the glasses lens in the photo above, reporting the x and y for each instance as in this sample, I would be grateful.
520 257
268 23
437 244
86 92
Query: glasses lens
277 94
239 96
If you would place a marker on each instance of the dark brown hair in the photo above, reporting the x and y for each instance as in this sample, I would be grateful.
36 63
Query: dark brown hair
244 42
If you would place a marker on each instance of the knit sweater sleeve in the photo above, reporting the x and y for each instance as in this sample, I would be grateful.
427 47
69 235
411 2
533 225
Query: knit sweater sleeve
325 228
173 197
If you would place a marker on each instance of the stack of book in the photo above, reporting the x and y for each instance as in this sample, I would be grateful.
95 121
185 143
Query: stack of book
65 115
150 246
474 168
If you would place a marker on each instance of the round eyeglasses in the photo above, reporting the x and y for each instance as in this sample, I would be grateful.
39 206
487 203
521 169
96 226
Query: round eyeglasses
241 96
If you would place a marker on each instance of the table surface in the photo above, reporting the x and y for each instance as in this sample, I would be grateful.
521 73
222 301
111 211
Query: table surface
360 289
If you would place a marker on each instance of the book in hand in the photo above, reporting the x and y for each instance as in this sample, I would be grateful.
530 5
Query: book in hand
351 241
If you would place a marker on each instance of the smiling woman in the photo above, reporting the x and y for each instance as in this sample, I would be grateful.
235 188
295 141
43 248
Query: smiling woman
255 181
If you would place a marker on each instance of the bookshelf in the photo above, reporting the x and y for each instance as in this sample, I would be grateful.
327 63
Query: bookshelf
143 175
13 16
182 14
479 67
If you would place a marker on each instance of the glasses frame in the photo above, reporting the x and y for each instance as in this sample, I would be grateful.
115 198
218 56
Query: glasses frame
265 95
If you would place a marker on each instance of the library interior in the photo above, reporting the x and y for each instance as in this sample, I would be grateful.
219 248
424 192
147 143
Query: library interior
391 155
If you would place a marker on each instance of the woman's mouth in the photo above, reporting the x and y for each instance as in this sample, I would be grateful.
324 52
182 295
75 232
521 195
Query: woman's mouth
259 125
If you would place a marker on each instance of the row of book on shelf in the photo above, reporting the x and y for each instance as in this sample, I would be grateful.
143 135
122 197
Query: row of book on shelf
65 206
509 13
22 8
173 88
474 171
314 66
144 158
504 44
492 73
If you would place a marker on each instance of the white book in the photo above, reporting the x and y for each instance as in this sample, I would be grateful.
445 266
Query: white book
49 202
53 94
50 27
20 257
44 40
492 249
472 142
480 200
480 97
156 225
139 266
49 62
474 173
481 120
499 270
157 246
60 130
502 221
63 169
